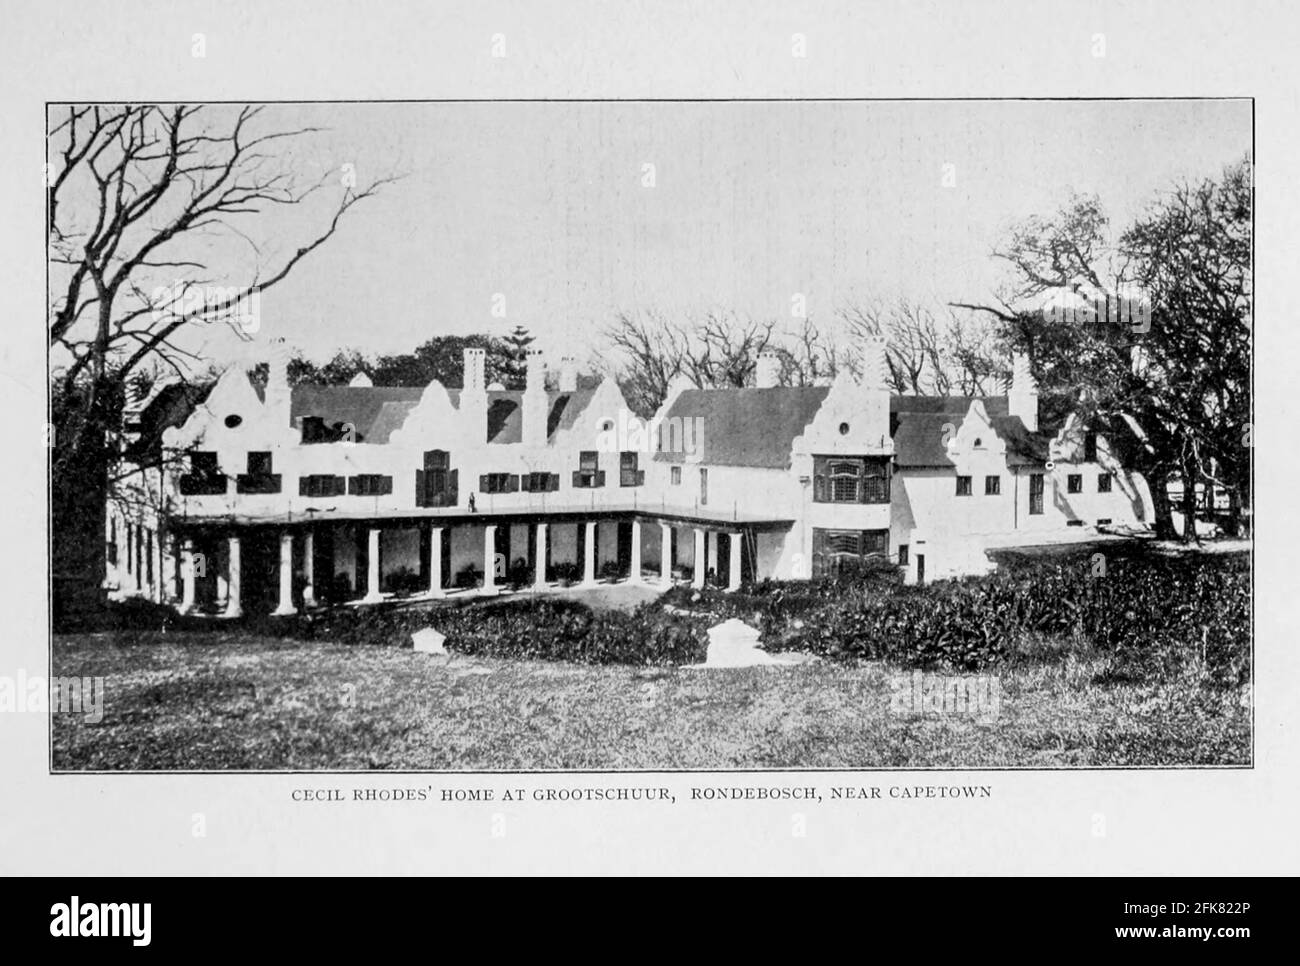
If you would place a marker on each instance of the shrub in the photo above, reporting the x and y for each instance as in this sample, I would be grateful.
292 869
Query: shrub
566 572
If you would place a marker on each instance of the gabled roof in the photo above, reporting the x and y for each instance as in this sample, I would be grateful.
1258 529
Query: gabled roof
746 427
171 405
372 411
506 417
756 427
375 412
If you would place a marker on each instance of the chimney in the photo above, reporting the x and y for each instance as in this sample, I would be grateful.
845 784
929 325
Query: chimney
473 395
875 364
874 387
475 363
1022 400
767 374
568 374
536 409
277 383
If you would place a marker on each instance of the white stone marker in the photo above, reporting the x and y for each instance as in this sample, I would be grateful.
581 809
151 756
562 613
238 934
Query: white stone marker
429 641
733 643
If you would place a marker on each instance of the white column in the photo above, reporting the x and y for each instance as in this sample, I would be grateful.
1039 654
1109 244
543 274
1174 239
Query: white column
589 555
309 569
372 569
634 574
539 582
435 562
698 582
665 555
187 575
733 570
490 559
286 576
234 606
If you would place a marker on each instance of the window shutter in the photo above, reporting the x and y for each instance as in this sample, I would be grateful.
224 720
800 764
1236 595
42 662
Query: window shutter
577 479
354 485
554 484
512 484
640 478
385 486
600 478
419 488
302 486
483 483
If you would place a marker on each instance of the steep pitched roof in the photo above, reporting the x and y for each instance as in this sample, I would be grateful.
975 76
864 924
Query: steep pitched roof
372 411
506 416
747 427
756 427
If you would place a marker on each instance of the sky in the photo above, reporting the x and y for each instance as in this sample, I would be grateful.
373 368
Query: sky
549 214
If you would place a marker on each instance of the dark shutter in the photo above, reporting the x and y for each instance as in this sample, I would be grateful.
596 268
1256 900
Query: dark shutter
385 486
420 499
512 483
600 478
577 479
483 483
302 486
553 485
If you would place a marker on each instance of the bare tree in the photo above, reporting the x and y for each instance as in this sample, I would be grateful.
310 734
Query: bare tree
140 200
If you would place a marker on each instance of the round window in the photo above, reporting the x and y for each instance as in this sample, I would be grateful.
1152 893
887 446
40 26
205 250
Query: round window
844 429
232 421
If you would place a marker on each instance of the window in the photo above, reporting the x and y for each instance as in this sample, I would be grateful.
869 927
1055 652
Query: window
1035 493
704 486
1103 482
259 478
588 474
1090 447
850 479
834 550
1074 483
204 477
437 484
675 476
628 474
129 531
112 541
370 484
540 482
321 484
992 485
963 486
902 555
498 483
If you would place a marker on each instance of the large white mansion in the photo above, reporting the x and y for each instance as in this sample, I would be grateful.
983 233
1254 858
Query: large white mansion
288 497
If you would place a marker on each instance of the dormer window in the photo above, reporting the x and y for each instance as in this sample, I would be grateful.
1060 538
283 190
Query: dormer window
588 475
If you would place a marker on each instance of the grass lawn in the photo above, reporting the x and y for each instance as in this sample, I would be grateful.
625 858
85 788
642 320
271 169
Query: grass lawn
212 700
